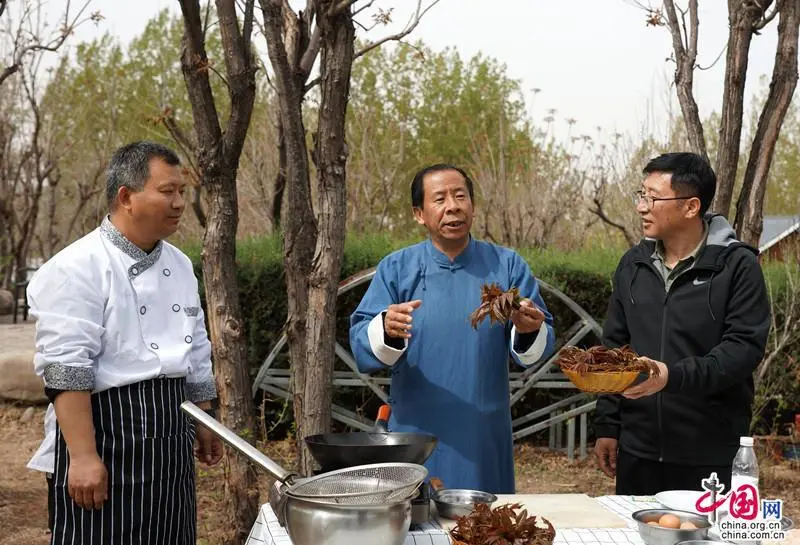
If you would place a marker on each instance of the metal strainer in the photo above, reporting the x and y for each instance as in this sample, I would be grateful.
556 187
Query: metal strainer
374 483
359 485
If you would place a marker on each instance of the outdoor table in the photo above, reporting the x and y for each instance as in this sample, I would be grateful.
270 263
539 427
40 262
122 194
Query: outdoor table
267 530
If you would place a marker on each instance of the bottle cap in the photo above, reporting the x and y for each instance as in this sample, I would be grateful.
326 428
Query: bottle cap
746 441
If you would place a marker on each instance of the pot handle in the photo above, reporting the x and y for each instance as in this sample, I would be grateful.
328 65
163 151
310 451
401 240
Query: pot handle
382 422
233 440
277 500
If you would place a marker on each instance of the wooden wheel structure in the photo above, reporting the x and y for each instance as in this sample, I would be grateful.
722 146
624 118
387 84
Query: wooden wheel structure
557 418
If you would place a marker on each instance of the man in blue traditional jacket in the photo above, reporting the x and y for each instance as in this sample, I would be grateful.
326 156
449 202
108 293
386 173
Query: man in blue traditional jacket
448 379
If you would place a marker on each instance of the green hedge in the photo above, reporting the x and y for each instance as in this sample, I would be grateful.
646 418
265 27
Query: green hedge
585 276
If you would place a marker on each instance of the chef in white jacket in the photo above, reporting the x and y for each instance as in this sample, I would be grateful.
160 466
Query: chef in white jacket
121 342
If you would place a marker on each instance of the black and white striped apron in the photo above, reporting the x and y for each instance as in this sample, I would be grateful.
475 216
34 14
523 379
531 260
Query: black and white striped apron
146 443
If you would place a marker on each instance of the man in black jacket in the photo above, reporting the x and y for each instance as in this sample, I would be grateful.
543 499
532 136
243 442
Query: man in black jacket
691 298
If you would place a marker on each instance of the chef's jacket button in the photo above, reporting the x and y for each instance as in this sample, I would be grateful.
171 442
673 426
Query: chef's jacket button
166 272
176 307
134 271
142 310
188 339
162 376
154 346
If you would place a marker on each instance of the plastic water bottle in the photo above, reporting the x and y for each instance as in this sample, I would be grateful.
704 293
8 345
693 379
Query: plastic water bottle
745 465
745 472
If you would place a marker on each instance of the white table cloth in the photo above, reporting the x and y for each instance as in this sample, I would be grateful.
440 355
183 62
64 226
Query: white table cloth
267 530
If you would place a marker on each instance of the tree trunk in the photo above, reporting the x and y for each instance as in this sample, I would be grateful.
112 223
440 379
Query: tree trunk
279 186
6 263
749 209
226 330
28 226
197 207
218 156
313 239
330 155
742 18
685 60
299 224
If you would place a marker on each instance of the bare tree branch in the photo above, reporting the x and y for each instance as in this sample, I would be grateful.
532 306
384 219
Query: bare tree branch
742 19
311 52
678 45
21 51
187 146
239 67
189 150
337 9
766 19
364 7
710 66
409 28
247 25
685 50
685 29
749 208
279 57
184 142
600 213
193 63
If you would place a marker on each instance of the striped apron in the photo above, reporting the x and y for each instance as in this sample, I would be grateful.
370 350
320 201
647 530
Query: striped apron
146 443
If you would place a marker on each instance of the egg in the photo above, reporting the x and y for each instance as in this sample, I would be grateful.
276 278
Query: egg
669 521
652 523
688 525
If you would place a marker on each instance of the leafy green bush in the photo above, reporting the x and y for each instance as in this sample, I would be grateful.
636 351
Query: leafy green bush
584 276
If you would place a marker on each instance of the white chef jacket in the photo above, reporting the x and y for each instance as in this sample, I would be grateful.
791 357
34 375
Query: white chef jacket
109 314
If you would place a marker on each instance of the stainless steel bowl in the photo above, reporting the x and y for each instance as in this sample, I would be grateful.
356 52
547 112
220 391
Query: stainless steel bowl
458 502
656 535
310 522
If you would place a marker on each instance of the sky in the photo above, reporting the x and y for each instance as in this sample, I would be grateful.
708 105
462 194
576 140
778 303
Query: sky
593 60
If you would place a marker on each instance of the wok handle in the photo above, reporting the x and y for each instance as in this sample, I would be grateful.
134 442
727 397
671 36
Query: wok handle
233 440
382 422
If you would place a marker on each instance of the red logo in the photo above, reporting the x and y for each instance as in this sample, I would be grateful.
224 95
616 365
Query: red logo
743 502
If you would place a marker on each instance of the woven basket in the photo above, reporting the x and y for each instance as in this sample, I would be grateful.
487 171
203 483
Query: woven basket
602 382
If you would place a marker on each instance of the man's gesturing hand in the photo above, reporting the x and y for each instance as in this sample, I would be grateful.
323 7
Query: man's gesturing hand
397 322
528 318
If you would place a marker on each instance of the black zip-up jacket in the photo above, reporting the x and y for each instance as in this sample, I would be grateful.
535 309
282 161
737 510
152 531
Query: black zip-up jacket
710 329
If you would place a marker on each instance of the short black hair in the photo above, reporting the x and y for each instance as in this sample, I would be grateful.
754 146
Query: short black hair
418 185
692 176
130 166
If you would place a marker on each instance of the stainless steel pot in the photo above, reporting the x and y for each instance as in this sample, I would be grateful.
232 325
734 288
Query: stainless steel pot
311 521
319 523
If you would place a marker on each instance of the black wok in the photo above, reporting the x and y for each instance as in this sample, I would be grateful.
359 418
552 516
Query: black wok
339 450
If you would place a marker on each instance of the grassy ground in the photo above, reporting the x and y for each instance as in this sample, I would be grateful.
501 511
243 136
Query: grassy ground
23 496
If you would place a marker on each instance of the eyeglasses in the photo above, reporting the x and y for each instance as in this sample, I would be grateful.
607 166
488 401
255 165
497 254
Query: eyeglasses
639 196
